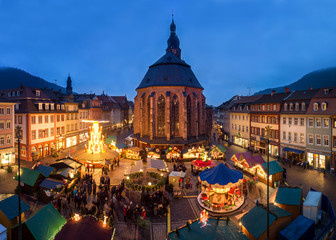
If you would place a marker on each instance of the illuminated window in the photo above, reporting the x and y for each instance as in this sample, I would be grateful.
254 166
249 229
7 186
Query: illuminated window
324 106
316 106
310 139
325 122
318 139
318 122
326 141
301 138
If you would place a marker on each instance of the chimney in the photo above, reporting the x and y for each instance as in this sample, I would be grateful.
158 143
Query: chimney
273 92
310 88
286 89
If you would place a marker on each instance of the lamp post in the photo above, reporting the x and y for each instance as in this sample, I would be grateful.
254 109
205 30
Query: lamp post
268 135
18 135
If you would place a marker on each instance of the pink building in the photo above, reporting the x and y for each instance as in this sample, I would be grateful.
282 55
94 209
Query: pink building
7 135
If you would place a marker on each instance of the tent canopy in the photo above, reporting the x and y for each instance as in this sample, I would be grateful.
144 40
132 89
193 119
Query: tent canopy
121 145
221 175
289 196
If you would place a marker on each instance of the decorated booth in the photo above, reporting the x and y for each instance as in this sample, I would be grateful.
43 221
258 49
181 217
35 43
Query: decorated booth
194 153
133 153
248 163
153 153
200 164
217 152
222 189
173 152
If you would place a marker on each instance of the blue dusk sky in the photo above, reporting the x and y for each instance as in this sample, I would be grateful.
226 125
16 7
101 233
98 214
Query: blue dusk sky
233 46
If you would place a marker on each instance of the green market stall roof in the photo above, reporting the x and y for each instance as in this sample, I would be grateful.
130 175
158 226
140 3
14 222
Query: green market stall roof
274 167
255 221
289 196
111 139
45 224
9 207
121 145
216 230
28 176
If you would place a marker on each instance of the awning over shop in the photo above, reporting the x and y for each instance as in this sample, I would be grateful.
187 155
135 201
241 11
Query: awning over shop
287 149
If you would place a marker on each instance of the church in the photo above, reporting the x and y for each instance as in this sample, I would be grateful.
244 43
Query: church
169 108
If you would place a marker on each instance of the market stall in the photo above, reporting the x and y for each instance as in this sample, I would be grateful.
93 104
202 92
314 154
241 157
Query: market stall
176 179
221 189
173 152
217 152
193 153
199 164
153 153
246 162
275 172
133 153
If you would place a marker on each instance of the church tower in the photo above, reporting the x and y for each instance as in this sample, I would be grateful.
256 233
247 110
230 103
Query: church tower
173 41
69 86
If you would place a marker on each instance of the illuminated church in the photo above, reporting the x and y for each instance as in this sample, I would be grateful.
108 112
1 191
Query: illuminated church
169 109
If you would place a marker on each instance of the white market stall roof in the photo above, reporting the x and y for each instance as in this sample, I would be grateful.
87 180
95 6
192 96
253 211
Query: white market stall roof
156 164
177 174
134 168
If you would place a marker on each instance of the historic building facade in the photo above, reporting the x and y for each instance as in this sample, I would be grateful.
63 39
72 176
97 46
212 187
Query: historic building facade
169 108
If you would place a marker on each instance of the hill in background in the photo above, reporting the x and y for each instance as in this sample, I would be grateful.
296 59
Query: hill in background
317 79
14 78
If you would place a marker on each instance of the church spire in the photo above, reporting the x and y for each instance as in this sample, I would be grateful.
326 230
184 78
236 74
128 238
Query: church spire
173 43
69 85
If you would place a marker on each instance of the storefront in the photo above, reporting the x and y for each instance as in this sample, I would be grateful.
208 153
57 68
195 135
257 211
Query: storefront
318 161
261 147
83 137
240 141
7 157
71 141
294 154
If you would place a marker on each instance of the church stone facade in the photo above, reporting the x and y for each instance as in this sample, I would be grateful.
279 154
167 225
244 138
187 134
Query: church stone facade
169 109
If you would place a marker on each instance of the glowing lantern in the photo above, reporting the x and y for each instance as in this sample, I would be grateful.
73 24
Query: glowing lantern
77 217
204 218
105 220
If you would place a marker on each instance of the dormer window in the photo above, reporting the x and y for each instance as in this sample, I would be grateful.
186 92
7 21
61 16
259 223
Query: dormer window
40 106
326 91
268 107
62 107
303 107
52 107
291 107
286 107
37 93
263 107
324 106
247 107
17 106
83 105
316 106
18 93
46 106
9 94
58 107
297 106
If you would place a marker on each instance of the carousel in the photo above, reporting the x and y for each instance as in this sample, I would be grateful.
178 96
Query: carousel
96 153
222 189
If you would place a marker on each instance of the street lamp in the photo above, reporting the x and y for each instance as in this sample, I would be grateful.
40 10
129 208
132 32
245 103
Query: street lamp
18 135
268 135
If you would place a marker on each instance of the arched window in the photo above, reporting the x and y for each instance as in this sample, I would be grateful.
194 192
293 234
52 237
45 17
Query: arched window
161 117
188 116
148 115
175 116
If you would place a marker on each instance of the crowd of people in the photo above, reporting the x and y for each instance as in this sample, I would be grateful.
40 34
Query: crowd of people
156 202
179 166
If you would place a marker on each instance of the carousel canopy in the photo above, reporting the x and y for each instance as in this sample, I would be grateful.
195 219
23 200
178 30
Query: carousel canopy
221 175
